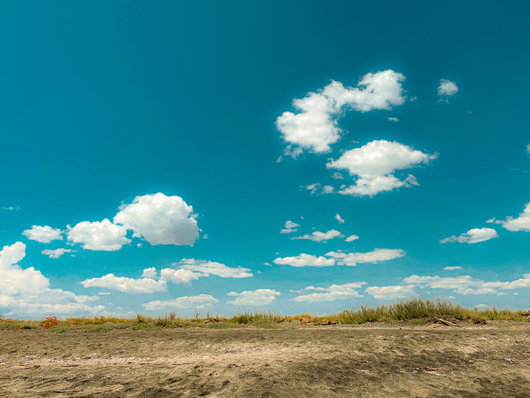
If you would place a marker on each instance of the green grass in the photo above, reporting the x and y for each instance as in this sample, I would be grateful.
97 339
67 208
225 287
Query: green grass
416 311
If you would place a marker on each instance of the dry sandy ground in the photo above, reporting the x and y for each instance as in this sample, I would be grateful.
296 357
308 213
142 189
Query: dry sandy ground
342 361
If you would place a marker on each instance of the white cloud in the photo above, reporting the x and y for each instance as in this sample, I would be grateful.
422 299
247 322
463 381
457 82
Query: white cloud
313 188
393 119
318 236
390 292
337 176
179 275
332 293
353 259
467 285
57 252
474 235
528 149
207 268
305 260
339 218
43 234
374 164
379 158
11 208
521 223
289 227
181 302
452 268
351 238
189 270
327 189
254 298
15 280
126 285
104 235
447 88
315 127
27 292
149 272
160 219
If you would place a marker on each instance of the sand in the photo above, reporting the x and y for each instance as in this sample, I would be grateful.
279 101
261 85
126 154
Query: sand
394 360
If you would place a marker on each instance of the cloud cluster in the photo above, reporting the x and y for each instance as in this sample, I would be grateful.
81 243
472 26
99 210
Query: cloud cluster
57 252
43 234
289 227
159 219
390 292
340 258
318 236
374 164
521 223
315 127
26 291
332 293
254 298
104 235
474 235
188 270
181 302
373 257
467 285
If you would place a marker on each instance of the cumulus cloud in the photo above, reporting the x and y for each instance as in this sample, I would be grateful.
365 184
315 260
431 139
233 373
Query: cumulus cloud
127 285
474 235
27 292
207 268
43 234
149 272
15 280
289 227
254 298
467 285
104 235
160 220
327 189
332 293
181 302
447 88
315 127
374 163
375 256
390 292
339 218
318 236
351 238
188 270
57 252
521 223
305 260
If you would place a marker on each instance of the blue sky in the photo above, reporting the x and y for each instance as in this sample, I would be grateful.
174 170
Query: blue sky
220 141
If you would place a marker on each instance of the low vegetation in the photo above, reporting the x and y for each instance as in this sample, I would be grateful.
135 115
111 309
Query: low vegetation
416 311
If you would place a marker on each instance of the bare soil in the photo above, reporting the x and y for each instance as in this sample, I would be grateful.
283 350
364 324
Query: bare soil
394 360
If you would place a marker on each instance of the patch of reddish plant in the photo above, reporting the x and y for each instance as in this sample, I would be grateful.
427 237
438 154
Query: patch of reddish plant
50 322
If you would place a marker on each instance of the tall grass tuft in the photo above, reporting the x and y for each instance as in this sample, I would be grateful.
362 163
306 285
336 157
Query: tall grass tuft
419 308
